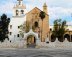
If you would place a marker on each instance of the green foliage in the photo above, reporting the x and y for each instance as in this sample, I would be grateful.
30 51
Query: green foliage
4 22
42 15
59 28
24 28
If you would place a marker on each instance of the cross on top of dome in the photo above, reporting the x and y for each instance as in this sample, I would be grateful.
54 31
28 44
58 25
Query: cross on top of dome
19 1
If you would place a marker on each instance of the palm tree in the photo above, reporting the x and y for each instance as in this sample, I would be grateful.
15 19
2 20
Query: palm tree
42 16
59 29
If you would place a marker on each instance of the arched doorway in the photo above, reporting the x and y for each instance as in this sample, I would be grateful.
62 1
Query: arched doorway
53 38
60 39
31 41
31 35
36 24
71 38
67 36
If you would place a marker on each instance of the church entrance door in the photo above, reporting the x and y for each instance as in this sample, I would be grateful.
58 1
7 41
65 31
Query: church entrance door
31 41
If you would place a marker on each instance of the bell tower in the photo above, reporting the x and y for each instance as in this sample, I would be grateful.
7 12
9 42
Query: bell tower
20 2
19 8
45 8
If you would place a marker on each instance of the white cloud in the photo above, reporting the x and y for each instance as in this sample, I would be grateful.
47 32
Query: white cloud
59 3
56 8
69 23
6 8
57 12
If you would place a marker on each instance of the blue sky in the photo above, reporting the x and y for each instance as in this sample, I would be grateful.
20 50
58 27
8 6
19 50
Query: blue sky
56 8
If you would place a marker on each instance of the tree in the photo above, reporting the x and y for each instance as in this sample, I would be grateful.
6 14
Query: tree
59 29
4 22
22 30
42 16
25 27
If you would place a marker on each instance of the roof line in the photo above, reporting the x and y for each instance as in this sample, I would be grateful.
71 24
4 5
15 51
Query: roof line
37 8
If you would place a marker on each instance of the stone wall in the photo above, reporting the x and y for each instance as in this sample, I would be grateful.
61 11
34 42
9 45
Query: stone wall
20 44
56 44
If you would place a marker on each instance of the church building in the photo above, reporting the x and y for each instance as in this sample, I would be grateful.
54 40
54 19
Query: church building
32 17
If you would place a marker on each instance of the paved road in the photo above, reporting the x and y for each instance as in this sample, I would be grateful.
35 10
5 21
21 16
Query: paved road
35 53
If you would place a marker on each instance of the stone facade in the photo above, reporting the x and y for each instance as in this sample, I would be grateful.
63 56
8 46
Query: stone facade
33 17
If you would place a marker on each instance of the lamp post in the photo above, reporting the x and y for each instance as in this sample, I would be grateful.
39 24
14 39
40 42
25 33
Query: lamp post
50 34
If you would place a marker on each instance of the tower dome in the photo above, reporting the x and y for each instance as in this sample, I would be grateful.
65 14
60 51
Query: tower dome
44 5
45 8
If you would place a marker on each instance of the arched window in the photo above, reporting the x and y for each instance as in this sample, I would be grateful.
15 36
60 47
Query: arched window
18 35
53 38
22 11
50 29
10 33
68 37
10 26
17 12
36 24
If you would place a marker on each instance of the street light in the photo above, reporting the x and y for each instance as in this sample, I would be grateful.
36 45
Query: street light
50 34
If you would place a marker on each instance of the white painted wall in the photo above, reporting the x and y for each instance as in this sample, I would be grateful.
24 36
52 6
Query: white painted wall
15 22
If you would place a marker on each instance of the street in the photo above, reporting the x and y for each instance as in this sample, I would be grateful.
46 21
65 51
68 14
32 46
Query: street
35 53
